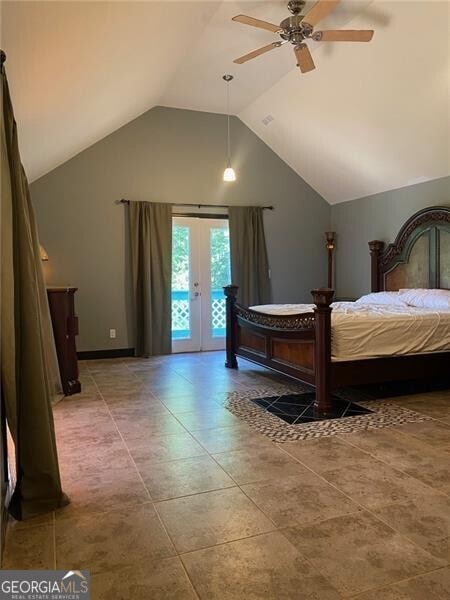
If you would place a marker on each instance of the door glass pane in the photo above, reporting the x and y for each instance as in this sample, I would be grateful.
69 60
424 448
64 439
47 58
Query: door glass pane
220 276
181 328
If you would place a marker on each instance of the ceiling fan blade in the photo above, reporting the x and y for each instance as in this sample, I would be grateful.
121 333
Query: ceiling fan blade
319 11
255 53
304 58
344 35
257 23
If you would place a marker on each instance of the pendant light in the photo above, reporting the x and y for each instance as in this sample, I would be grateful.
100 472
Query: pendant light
228 174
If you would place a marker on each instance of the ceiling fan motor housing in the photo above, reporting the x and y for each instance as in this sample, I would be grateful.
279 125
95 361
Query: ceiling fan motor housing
294 30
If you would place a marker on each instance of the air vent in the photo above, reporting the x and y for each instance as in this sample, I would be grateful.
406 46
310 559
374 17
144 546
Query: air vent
267 119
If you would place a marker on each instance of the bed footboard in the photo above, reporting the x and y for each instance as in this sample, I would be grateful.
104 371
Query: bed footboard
296 345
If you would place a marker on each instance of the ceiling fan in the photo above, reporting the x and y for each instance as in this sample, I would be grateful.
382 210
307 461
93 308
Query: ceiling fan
297 28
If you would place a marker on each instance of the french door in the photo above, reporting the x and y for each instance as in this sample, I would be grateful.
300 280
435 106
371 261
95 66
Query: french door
200 269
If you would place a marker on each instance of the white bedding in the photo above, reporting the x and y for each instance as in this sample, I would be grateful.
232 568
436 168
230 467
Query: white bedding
372 330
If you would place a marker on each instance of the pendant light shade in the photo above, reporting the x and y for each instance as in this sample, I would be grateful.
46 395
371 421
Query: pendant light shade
228 174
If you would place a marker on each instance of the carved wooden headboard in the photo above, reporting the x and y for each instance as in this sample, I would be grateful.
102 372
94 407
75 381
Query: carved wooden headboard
419 257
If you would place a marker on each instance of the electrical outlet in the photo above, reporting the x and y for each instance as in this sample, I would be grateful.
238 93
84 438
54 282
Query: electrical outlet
112 333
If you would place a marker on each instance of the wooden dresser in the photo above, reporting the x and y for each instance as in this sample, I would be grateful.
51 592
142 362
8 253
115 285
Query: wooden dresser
65 328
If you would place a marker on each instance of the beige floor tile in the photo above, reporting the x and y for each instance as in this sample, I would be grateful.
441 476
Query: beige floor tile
407 454
72 407
79 416
45 519
208 419
264 464
129 399
434 471
29 548
376 484
432 586
324 454
71 436
106 541
302 499
161 580
191 403
162 375
435 433
169 385
97 457
86 380
92 492
148 426
119 382
162 448
433 405
225 439
138 408
216 390
424 520
183 477
170 390
211 518
357 552
264 567
115 389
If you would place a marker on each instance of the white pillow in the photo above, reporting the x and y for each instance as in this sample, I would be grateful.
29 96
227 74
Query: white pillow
384 298
421 298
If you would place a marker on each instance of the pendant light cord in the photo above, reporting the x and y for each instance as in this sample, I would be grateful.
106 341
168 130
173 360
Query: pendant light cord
228 125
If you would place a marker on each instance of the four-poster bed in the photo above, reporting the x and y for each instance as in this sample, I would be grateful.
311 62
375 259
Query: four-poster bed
300 345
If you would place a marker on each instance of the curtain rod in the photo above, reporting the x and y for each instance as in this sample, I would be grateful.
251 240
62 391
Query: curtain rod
123 201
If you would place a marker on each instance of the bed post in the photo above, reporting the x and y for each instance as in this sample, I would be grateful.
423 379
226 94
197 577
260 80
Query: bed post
322 348
230 292
375 247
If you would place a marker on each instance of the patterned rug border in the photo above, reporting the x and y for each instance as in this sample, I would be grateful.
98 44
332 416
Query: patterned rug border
385 414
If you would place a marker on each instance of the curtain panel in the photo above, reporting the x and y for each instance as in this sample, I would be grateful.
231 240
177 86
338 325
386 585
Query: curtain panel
28 383
249 263
151 266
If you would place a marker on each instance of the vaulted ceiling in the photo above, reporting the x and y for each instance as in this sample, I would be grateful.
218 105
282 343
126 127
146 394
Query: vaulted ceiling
370 118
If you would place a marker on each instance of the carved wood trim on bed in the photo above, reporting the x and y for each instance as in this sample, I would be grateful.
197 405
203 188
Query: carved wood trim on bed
416 258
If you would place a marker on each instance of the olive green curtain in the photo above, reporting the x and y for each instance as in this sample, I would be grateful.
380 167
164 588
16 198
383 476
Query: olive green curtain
151 266
27 381
249 263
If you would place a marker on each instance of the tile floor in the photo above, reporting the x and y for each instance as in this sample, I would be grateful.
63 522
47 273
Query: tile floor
173 497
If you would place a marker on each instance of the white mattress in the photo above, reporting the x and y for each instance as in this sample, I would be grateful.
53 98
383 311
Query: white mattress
369 331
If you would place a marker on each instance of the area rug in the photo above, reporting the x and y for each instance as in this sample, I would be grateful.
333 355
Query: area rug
252 407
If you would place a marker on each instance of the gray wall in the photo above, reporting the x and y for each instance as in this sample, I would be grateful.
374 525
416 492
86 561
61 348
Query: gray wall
168 155
377 217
